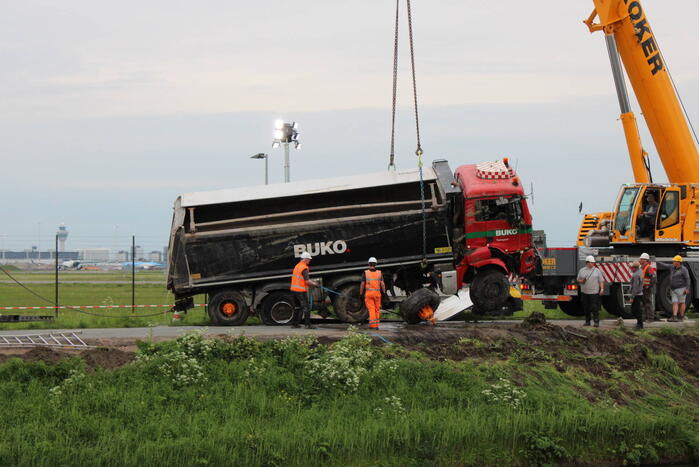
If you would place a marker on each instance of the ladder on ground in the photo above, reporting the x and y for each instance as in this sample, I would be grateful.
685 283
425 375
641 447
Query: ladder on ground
63 340
626 291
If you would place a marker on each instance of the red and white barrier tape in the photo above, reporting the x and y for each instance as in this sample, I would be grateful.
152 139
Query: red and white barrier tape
62 307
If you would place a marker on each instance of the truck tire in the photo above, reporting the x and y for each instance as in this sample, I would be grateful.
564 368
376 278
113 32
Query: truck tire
228 308
663 298
349 306
573 307
489 291
416 301
278 308
614 302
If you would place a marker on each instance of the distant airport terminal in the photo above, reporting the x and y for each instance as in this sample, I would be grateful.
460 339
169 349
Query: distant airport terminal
86 258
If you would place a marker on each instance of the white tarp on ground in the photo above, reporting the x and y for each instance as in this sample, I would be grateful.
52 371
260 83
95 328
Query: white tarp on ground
453 305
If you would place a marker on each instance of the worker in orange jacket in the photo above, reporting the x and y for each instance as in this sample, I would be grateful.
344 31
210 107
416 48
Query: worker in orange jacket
299 288
371 288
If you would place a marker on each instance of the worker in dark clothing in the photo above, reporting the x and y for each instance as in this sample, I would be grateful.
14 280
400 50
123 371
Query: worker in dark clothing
679 288
637 293
646 220
299 288
650 280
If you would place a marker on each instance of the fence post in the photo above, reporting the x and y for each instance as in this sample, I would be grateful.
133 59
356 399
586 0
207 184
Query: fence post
133 274
55 301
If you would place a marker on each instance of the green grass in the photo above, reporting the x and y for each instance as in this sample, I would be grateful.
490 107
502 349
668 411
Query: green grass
75 294
292 402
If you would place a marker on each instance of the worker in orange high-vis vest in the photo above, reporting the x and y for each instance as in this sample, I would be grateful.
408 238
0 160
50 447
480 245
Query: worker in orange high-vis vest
299 288
371 288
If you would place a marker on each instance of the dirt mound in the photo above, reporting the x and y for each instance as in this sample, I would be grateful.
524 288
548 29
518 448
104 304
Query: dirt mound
106 358
43 354
101 357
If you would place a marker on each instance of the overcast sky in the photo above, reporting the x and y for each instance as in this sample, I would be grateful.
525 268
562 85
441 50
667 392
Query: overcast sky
112 109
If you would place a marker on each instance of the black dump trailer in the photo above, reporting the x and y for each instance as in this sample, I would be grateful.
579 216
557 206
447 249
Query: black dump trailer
239 246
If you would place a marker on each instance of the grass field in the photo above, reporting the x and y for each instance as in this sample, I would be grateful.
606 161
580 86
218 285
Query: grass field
93 291
294 402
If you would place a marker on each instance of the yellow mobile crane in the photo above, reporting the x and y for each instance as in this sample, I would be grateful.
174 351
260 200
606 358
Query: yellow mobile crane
647 215
660 219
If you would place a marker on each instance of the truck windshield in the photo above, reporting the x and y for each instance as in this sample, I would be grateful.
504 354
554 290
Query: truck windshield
499 209
624 212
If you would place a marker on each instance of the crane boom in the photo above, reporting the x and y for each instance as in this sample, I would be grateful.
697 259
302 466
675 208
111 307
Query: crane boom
626 22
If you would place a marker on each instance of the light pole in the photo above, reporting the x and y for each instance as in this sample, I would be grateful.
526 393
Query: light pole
261 155
285 133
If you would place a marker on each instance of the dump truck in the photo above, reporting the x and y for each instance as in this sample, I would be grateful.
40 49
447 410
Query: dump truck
661 219
470 227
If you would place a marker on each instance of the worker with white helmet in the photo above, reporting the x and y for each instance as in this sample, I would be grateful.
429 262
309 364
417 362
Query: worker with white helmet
591 288
371 288
299 288
650 279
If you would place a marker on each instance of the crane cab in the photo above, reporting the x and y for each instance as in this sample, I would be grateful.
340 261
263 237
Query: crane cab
646 214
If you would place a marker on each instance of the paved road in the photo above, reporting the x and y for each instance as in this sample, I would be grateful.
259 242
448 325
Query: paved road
328 330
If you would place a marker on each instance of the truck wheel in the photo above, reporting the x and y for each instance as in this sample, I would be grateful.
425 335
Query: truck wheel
349 306
663 297
278 309
489 291
416 301
573 307
614 302
228 308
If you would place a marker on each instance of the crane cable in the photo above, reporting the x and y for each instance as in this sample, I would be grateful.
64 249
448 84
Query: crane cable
418 151
679 98
392 157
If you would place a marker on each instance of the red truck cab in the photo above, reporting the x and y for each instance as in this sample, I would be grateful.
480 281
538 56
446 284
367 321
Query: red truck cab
497 241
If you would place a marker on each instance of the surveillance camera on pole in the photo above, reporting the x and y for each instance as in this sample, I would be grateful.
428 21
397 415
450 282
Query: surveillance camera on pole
285 133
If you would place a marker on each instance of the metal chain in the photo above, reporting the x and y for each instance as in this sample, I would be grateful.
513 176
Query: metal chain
422 204
418 151
391 162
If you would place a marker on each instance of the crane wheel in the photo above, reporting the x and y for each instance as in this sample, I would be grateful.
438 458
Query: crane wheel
573 307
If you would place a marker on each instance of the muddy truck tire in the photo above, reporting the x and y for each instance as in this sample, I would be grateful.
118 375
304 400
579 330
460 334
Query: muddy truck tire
278 309
349 306
489 291
416 301
228 308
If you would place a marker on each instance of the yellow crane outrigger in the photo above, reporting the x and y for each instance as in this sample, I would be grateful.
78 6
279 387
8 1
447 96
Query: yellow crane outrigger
676 221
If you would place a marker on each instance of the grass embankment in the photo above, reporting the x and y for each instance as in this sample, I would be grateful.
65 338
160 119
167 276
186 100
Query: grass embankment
530 398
